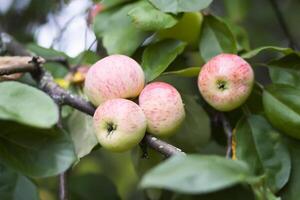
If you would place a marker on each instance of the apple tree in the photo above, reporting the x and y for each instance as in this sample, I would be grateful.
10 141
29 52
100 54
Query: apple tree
172 100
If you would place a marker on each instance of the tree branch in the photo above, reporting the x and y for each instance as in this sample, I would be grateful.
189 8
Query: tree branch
283 24
62 97
162 146
16 69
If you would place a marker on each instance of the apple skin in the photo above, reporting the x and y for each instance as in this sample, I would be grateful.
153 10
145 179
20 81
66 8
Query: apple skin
187 29
120 124
226 81
163 107
115 76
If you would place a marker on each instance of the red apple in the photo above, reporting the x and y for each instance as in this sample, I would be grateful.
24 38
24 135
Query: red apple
115 76
163 107
226 81
120 124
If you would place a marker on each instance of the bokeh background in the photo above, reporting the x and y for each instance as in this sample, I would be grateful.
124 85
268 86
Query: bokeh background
62 25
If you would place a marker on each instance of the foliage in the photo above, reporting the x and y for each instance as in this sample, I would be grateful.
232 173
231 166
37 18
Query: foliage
36 142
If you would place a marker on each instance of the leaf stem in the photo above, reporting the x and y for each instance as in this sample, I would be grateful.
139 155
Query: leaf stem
63 191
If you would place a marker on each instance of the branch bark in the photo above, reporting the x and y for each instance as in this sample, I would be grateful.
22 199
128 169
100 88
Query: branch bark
62 97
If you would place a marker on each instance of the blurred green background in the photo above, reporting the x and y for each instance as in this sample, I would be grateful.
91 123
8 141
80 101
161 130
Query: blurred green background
58 24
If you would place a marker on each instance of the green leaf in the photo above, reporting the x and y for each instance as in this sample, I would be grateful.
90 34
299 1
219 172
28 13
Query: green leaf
245 146
191 173
27 105
14 186
285 76
195 130
187 29
187 72
254 101
290 61
142 165
263 192
35 152
216 38
111 3
157 57
45 52
237 192
241 36
85 58
282 107
118 33
237 9
266 49
56 69
286 70
262 148
80 127
148 18
291 191
102 22
176 6
94 187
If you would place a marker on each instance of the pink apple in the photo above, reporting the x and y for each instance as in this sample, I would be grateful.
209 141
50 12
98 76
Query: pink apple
119 124
226 81
115 76
163 107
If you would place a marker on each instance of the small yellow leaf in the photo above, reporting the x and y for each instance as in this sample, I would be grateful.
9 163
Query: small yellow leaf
233 145
62 83
78 77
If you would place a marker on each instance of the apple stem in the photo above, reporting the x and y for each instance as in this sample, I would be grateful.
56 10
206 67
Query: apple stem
111 127
63 192
221 85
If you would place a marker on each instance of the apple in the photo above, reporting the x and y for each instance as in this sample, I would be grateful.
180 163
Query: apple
120 124
115 76
187 29
226 81
163 107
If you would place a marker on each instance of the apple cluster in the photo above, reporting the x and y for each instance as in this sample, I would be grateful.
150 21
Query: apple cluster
112 84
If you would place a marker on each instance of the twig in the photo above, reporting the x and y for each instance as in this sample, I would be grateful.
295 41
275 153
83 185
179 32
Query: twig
162 147
283 24
17 69
228 131
63 97
63 191
75 68
61 29
13 46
